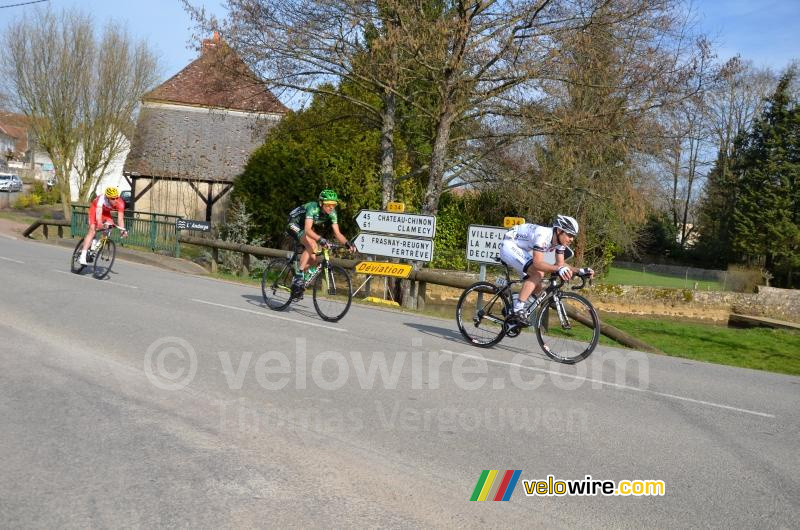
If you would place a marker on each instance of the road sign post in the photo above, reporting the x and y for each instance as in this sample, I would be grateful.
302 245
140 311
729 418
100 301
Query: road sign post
395 234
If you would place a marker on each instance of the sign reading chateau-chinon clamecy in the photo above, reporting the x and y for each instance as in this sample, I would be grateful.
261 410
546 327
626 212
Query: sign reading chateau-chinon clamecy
396 235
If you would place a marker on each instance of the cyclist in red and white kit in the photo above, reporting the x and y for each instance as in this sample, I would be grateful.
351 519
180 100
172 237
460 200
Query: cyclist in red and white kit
526 249
100 214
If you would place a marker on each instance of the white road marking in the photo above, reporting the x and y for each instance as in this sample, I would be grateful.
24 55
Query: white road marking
12 260
616 385
269 315
89 276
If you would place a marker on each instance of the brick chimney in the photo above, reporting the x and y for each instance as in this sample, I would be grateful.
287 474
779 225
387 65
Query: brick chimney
210 44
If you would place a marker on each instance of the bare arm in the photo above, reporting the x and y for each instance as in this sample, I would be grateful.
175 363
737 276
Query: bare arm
338 234
308 227
121 219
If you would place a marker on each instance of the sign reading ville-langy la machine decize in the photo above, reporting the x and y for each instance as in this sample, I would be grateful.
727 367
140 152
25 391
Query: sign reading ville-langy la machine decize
483 243
385 235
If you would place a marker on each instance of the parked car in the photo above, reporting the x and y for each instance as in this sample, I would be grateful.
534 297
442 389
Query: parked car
10 182
127 198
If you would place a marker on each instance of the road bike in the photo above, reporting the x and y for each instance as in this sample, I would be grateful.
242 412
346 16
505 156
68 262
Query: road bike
332 291
565 323
100 254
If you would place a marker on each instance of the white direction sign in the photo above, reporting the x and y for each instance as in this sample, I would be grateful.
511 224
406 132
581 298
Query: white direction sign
402 224
394 247
483 243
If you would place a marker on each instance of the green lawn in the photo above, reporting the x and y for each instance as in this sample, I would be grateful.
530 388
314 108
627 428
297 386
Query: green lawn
620 276
772 350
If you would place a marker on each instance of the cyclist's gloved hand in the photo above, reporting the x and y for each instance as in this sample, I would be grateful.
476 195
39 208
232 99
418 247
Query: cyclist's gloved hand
322 242
350 246
565 272
124 232
586 271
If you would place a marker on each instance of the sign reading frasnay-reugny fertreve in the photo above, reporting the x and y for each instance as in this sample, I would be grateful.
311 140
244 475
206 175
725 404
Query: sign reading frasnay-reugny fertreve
483 243
394 246
401 224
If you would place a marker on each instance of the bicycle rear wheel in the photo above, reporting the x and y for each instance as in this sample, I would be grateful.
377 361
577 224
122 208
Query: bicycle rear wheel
75 265
333 293
576 337
276 284
481 313
104 259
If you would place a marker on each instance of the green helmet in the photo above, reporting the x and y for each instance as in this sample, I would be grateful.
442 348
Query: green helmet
328 196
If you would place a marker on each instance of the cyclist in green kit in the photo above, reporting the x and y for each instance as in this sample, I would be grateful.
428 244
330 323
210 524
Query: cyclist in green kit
304 221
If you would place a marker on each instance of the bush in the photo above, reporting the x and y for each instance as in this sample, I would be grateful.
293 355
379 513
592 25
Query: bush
27 201
743 279
235 231
44 196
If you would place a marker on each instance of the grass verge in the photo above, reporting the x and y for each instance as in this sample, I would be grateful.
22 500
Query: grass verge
772 350
620 276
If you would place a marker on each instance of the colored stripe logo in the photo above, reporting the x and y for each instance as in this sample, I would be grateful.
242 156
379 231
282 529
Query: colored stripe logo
496 485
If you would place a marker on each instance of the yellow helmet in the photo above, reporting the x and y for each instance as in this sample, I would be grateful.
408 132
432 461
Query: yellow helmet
112 192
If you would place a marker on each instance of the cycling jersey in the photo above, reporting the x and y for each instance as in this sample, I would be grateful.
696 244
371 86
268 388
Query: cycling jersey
517 244
534 237
312 210
106 205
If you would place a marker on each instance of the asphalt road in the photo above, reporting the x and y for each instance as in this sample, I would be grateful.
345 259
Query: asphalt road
156 398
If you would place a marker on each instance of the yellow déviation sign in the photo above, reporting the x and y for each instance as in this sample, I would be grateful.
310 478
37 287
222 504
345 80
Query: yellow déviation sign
381 268
508 222
397 207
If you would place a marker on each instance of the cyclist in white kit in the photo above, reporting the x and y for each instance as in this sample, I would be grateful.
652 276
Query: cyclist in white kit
526 249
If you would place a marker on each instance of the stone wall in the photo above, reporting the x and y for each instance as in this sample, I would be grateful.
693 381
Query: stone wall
781 304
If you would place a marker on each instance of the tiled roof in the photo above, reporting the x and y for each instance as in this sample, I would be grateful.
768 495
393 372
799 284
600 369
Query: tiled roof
220 79
194 144
203 123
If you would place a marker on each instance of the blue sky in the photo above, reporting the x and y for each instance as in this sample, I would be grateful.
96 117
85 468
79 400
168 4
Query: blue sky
766 32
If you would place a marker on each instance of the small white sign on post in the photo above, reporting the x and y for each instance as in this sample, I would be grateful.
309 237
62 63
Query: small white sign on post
402 224
394 246
483 243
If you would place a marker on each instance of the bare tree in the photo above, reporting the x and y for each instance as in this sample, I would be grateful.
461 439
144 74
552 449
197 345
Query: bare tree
78 94
444 62
310 47
736 99
123 72
618 66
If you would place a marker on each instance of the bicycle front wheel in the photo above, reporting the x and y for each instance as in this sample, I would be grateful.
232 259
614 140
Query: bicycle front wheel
276 284
481 313
333 293
75 266
104 259
572 336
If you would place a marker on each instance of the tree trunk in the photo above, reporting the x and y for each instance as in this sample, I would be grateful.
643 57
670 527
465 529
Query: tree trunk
387 149
430 203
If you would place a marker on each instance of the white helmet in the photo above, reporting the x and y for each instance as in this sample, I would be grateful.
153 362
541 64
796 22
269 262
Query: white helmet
567 224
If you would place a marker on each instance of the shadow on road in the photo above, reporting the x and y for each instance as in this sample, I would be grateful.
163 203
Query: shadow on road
531 349
436 331
295 307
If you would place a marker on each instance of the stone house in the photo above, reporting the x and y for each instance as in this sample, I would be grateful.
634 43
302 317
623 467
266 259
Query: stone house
195 133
